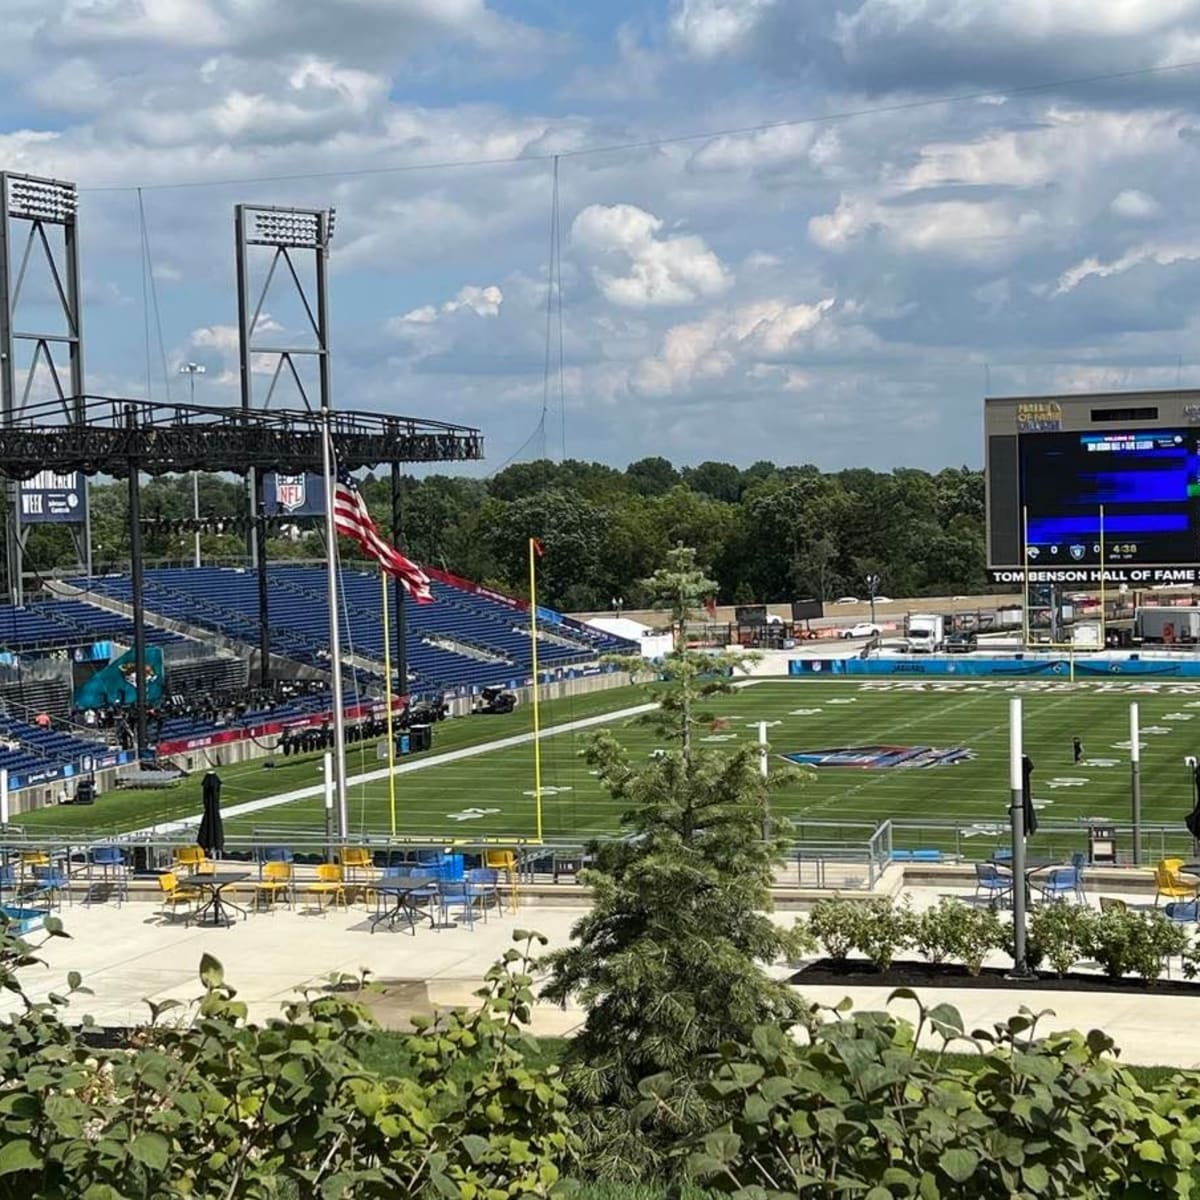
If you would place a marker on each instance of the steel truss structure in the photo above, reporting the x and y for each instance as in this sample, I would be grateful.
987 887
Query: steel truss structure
127 438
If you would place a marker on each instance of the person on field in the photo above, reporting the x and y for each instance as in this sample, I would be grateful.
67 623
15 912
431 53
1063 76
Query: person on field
1077 748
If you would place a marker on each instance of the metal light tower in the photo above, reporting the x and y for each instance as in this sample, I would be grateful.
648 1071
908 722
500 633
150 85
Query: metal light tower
277 237
38 222
191 370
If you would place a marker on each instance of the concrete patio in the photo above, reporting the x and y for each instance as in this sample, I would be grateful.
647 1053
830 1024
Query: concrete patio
130 953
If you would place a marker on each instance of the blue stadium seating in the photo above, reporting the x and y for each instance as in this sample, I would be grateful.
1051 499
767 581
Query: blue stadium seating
225 600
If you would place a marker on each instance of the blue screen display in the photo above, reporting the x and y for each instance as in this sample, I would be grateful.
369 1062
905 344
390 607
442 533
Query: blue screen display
1146 481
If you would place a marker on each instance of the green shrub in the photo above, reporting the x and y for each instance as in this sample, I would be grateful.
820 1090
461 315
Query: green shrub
860 1112
214 1107
980 932
1060 931
835 925
883 930
1133 943
936 933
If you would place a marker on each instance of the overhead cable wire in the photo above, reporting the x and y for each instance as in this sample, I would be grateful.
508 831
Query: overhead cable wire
666 139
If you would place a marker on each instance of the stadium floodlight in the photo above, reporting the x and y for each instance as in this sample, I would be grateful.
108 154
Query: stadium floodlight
43 200
307 229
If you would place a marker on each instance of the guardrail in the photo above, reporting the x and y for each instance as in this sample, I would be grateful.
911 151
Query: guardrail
825 854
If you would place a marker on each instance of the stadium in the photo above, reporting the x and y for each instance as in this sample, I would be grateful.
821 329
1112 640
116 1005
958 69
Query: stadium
123 684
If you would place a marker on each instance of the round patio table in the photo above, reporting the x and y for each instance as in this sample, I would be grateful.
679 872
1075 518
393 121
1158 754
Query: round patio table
215 911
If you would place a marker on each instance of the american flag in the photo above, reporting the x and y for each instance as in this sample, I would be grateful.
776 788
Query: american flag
350 516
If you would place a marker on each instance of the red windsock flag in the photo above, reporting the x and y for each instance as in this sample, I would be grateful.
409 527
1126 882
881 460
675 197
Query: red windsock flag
538 548
350 516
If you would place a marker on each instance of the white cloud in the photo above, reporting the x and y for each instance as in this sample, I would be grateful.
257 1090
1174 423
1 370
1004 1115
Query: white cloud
708 28
653 270
1134 204
714 346
765 148
956 229
482 301
1031 20
1159 255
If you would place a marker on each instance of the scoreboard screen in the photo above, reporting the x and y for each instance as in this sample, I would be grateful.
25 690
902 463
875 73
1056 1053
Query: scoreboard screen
1147 480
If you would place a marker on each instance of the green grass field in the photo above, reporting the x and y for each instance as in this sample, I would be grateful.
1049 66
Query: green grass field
492 795
811 715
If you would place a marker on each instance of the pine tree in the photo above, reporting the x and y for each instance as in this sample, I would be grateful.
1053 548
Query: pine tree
670 961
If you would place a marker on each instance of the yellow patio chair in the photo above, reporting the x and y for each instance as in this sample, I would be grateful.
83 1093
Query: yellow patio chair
193 861
1170 883
174 893
505 861
1111 904
328 883
276 881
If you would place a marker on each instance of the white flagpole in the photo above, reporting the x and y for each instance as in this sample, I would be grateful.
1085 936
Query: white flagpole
335 637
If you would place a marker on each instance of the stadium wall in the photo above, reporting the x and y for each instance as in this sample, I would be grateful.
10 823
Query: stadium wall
999 668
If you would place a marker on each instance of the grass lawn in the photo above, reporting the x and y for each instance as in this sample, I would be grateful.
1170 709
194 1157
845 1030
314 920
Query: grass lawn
808 715
492 794
117 810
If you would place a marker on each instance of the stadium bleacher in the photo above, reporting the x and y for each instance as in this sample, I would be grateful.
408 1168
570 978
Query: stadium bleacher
465 641
493 636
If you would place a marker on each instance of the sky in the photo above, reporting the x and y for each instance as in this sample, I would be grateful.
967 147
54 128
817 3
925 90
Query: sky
796 231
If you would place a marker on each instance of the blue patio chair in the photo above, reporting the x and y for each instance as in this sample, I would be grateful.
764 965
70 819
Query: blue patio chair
1061 882
484 883
49 883
1183 912
455 893
992 883
110 860
1002 855
281 854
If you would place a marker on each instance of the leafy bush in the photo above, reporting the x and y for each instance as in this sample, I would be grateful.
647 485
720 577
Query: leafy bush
860 1112
214 1107
936 933
980 931
883 929
1138 943
1060 931
835 924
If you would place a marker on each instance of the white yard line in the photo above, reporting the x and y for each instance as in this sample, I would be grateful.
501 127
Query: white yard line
436 760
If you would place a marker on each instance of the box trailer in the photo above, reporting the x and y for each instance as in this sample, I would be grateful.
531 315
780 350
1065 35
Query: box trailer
1167 625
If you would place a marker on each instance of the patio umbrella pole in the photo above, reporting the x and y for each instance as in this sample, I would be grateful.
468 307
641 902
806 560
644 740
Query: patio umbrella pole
327 763
1016 813
1135 782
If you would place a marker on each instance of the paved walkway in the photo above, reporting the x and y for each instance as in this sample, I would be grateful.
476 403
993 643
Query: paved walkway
132 953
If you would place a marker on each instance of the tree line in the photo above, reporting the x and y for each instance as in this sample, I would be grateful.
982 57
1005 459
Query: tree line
765 534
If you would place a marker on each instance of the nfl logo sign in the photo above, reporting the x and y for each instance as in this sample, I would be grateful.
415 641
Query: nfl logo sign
289 492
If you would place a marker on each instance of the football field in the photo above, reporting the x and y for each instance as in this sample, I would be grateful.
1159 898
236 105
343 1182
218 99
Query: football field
926 751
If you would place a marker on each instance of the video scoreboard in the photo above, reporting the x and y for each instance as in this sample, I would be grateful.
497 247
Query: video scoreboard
1080 483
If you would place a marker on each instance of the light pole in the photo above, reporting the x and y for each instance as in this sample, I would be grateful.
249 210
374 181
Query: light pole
617 602
872 591
191 370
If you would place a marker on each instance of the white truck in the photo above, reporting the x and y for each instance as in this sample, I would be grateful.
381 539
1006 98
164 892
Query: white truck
1166 624
926 632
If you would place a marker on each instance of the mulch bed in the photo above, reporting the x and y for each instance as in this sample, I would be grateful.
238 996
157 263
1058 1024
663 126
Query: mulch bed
916 975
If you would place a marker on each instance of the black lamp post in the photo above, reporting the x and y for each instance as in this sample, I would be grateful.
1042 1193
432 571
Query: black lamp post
872 590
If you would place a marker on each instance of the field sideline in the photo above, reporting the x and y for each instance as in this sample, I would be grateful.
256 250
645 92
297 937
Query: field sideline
491 794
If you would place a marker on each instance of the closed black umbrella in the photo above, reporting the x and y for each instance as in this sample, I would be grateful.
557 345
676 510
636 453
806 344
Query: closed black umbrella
211 835
1027 796
1192 820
